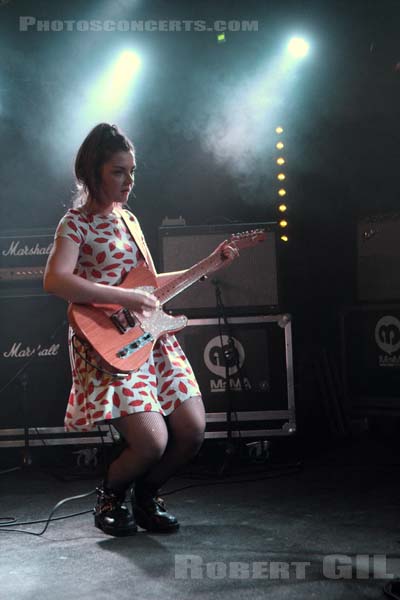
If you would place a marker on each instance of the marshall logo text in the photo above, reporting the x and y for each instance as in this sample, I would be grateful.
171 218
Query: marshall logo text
16 249
17 350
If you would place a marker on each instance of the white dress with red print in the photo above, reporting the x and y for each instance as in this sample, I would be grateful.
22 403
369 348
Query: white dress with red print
106 253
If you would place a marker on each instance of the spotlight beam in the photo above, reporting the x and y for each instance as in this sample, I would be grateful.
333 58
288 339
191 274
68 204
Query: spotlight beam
298 47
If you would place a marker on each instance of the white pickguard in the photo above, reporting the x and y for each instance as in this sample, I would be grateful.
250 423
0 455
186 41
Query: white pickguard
159 322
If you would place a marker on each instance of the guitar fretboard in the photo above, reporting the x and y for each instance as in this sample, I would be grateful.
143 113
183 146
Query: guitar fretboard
182 282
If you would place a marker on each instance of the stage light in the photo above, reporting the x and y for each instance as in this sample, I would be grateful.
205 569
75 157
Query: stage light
298 47
112 90
127 65
121 76
281 208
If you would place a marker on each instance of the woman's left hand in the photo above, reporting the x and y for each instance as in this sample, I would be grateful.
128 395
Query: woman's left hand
227 252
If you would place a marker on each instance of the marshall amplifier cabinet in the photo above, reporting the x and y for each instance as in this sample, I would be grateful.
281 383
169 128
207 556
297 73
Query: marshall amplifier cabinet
260 366
371 358
378 247
23 256
34 366
248 286
35 373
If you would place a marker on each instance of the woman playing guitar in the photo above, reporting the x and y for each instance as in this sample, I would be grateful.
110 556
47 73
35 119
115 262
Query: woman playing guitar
157 409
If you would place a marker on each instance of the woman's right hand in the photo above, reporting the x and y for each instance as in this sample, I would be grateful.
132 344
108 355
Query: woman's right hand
140 302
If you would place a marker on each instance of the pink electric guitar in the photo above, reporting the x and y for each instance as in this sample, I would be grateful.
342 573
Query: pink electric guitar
124 339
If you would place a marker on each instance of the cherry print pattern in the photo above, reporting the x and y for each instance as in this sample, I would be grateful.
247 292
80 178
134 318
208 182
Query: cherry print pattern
107 252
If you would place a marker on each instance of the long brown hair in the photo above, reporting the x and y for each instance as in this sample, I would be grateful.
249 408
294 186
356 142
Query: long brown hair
100 144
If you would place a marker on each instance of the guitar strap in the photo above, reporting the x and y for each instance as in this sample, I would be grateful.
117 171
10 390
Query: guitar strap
137 235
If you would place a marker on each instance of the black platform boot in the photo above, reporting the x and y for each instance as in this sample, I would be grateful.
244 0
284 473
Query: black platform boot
111 515
150 512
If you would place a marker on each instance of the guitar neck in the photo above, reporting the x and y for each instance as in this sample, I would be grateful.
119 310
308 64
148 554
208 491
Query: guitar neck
188 278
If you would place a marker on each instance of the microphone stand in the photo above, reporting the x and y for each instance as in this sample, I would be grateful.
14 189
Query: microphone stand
26 454
230 357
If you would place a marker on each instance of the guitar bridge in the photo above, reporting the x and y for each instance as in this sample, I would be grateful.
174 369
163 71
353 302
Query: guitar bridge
133 346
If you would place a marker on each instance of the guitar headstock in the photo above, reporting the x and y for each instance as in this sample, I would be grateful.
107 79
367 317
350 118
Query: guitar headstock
247 239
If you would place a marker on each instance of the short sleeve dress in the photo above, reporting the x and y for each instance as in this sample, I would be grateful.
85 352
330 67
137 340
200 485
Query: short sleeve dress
107 252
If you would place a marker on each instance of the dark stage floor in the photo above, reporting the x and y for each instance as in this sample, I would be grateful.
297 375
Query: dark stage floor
284 524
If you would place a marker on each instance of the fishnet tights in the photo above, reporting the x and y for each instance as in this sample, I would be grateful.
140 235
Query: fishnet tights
156 446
